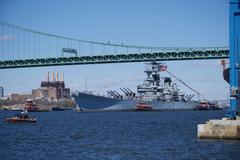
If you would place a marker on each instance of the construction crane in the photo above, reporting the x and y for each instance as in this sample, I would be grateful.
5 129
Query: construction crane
234 33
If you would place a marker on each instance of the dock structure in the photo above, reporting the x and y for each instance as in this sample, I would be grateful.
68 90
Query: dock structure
229 127
219 129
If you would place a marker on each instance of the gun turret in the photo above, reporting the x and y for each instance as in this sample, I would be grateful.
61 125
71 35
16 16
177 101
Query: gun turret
132 93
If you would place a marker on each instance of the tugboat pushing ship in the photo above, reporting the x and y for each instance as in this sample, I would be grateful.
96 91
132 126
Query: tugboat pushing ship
155 93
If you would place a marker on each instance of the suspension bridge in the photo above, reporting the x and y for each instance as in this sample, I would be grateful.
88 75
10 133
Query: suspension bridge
22 47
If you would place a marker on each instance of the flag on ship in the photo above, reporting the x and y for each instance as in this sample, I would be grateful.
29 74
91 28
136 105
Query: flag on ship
162 67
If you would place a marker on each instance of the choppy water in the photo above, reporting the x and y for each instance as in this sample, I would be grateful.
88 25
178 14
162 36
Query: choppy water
113 135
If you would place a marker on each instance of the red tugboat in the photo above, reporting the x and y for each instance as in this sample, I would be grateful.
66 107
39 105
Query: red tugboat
19 120
143 107
206 105
31 105
203 105
22 117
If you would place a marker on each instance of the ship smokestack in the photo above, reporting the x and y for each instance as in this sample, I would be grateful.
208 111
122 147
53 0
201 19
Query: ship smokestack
52 76
48 76
57 76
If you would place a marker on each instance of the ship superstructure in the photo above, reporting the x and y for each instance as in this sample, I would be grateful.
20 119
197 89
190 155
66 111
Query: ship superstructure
157 88
158 91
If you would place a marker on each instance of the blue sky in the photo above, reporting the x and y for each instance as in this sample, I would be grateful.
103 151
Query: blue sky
163 23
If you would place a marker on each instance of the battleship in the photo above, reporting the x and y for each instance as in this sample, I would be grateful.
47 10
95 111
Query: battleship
156 91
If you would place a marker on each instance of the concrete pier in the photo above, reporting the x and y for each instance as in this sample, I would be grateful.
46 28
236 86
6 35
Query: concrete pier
220 129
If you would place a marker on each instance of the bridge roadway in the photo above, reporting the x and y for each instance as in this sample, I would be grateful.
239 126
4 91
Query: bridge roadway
190 54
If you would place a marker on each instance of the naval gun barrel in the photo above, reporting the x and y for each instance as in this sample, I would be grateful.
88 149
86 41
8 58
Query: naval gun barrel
126 93
113 94
119 96
189 98
110 93
129 90
117 93
132 93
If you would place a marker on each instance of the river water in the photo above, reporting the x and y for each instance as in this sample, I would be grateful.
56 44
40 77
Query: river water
69 135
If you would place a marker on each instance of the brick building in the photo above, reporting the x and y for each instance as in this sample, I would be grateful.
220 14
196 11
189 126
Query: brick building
52 89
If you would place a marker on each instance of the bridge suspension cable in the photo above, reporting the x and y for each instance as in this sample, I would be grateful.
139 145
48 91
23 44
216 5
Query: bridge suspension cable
102 43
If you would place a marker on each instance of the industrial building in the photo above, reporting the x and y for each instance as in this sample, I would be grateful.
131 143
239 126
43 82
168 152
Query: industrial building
52 90
20 97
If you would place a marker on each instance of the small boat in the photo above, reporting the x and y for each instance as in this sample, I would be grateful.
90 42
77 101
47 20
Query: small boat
143 107
58 109
205 105
31 105
214 106
19 120
22 117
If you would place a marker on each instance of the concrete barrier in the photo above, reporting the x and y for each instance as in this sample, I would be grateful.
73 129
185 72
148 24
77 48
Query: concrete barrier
219 129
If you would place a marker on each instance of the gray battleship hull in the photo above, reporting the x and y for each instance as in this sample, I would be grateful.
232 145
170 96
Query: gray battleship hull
88 101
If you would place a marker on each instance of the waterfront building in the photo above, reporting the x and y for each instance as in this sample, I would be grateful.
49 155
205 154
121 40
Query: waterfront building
52 89
20 97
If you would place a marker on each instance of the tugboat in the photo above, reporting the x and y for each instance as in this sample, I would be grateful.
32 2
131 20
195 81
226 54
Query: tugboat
22 117
143 107
31 105
205 105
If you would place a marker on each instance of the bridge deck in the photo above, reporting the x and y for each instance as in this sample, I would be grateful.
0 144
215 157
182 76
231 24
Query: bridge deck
117 58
